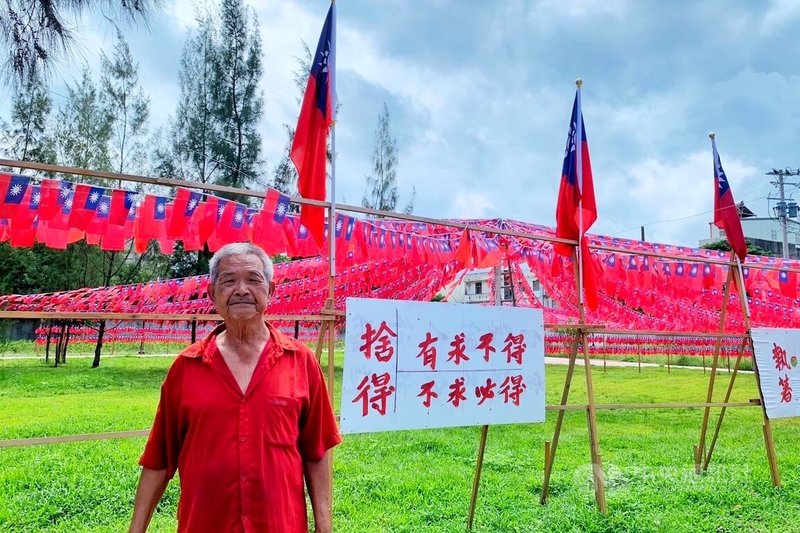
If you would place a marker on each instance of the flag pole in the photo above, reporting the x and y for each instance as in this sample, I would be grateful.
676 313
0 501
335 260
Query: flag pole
579 172
332 212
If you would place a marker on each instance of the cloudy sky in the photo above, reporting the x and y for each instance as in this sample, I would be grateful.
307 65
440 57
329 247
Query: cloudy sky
480 95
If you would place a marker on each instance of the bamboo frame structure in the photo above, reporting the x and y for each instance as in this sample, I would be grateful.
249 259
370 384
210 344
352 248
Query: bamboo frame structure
328 315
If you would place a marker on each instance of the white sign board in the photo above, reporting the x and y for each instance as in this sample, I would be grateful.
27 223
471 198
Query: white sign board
776 352
412 365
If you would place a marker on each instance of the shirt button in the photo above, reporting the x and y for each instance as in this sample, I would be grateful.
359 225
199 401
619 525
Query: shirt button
244 478
244 439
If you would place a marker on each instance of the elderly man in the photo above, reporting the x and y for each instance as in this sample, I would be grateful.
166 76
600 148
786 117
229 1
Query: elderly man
244 416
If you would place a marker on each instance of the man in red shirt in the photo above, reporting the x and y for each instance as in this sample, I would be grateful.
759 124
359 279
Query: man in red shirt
244 416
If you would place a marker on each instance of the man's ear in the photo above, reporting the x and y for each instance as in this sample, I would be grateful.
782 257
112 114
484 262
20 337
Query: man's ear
271 288
210 291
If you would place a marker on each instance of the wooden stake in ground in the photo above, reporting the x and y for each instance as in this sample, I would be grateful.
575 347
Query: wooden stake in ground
594 440
700 450
746 341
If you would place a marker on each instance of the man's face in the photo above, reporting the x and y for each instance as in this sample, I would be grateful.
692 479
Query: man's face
241 291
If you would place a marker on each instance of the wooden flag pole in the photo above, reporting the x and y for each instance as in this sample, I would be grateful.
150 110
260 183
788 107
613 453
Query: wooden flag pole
747 340
724 408
550 449
594 441
700 450
477 480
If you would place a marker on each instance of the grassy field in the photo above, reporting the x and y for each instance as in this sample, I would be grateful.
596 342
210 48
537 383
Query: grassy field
416 481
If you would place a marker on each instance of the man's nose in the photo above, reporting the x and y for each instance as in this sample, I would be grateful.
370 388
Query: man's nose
240 287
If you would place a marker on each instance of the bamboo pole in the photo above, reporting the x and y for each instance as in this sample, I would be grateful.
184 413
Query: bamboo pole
700 454
548 464
477 479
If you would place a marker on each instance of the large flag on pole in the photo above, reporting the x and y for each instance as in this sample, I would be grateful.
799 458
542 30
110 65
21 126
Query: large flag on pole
310 147
726 216
576 210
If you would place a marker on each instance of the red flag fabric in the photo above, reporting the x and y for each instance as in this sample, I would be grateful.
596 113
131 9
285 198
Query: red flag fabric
576 209
54 193
121 203
213 208
269 225
183 210
464 250
726 216
310 146
151 219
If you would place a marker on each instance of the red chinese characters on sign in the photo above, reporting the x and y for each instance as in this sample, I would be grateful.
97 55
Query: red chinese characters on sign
485 392
457 390
786 389
512 388
779 356
378 342
486 345
458 353
381 391
427 393
515 348
427 350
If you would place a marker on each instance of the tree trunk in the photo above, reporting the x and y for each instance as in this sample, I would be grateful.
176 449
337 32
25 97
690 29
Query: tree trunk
57 358
66 343
47 345
99 346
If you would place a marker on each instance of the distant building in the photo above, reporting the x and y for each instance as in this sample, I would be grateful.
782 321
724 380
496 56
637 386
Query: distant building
762 232
476 288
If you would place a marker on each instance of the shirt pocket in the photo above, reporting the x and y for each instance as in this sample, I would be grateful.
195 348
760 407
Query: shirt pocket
280 420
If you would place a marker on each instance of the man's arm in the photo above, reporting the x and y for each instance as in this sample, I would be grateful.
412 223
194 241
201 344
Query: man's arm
319 482
152 484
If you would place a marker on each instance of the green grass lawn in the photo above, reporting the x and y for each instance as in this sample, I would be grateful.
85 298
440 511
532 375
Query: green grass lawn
417 481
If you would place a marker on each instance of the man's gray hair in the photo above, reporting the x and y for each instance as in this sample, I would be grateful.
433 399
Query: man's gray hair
239 248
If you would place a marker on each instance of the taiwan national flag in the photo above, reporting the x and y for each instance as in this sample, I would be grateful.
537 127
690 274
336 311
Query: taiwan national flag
726 216
269 226
54 193
576 210
84 205
121 204
183 210
310 146
12 191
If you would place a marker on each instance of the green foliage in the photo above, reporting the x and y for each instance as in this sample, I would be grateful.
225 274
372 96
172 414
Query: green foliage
418 481
84 127
28 137
725 246
38 32
381 191
40 269
124 101
237 99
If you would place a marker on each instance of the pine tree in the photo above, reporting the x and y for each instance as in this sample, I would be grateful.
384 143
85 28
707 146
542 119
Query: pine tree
26 137
194 128
84 127
37 32
127 106
238 102
381 189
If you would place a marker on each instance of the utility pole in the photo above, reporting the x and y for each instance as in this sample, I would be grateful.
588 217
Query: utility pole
782 209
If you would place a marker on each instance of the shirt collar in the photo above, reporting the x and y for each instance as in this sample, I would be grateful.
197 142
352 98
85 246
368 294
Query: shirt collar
207 347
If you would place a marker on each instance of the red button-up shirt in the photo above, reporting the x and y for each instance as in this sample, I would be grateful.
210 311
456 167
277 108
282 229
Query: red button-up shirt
240 456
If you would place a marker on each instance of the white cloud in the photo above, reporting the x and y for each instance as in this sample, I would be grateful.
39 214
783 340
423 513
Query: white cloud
468 204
